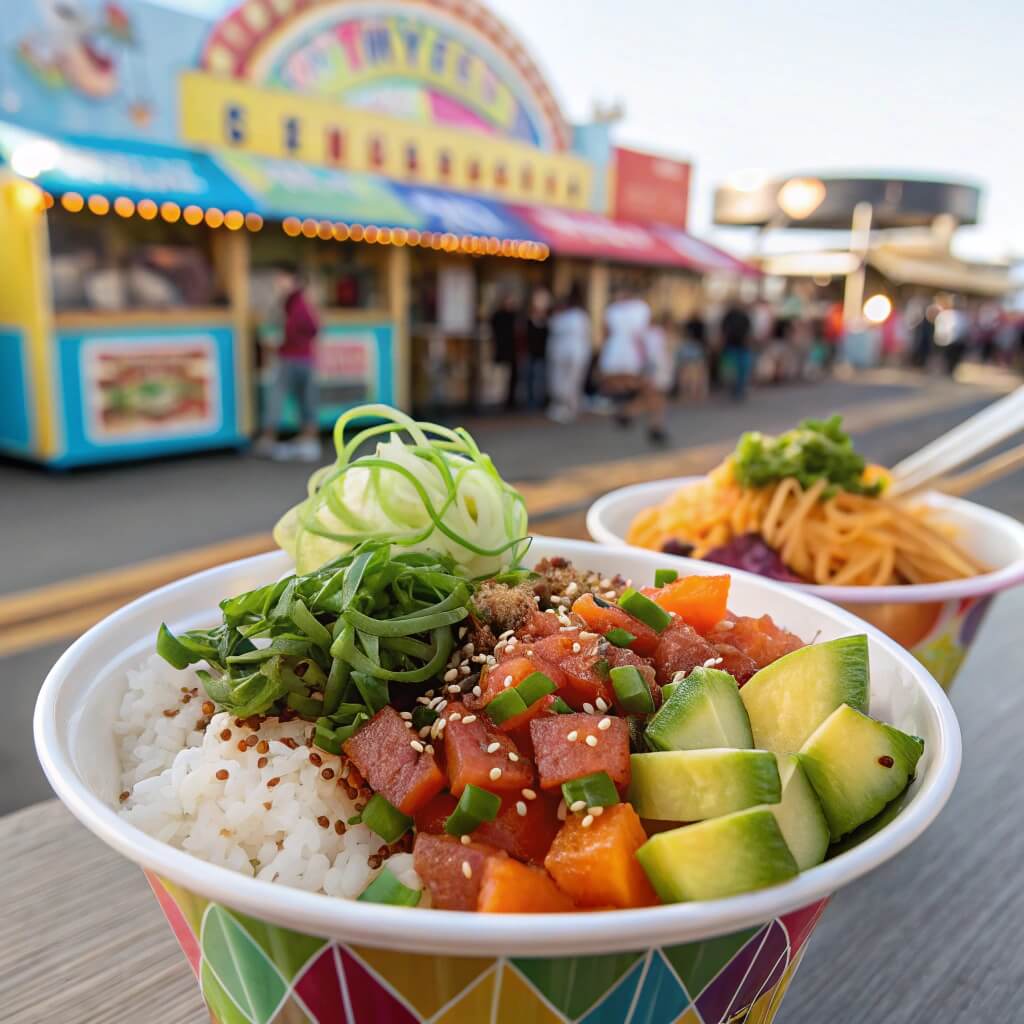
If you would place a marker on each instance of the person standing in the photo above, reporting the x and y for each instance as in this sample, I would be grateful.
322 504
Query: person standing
537 347
295 327
737 336
505 335
568 357
658 369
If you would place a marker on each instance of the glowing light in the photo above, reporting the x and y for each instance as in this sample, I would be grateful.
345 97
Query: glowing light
32 158
253 221
171 212
48 200
147 209
99 205
399 236
371 234
749 180
341 232
413 237
877 309
309 227
356 232
27 196
800 197
193 215
384 236
234 220
325 230
214 217
292 227
123 206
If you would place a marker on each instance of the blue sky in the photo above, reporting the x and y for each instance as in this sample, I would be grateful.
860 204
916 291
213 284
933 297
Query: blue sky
929 87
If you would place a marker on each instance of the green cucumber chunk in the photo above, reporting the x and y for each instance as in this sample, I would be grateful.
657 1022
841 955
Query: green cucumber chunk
713 859
691 785
788 699
856 766
799 814
703 709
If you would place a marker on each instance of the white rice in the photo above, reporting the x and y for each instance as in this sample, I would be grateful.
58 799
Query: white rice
169 770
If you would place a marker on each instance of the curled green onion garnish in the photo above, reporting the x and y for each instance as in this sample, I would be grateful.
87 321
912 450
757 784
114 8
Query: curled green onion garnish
424 487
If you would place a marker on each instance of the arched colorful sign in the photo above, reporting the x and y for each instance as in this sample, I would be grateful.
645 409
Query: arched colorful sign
450 64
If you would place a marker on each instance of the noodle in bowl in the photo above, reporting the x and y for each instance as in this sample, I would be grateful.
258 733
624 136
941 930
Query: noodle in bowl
936 621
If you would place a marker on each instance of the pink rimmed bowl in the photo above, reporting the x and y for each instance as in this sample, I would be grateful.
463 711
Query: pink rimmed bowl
936 621
268 954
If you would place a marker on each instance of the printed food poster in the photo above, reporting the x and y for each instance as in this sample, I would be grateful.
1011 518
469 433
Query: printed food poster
346 366
134 388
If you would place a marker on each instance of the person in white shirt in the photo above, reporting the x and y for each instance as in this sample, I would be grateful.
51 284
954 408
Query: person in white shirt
569 350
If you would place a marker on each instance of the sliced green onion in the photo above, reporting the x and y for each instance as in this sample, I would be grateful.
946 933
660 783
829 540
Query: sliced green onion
663 577
506 705
325 738
632 690
666 691
356 819
535 686
385 819
620 637
306 621
346 732
335 688
373 691
422 717
475 806
559 707
306 706
386 888
644 609
595 790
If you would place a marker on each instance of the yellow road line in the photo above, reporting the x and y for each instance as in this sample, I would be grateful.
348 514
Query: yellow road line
63 610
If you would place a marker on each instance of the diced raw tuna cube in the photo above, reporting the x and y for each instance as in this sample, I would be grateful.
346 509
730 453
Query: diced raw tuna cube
382 751
477 754
563 751
600 618
451 870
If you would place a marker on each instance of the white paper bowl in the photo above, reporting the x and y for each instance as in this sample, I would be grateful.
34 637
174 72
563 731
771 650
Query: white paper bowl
937 621
76 746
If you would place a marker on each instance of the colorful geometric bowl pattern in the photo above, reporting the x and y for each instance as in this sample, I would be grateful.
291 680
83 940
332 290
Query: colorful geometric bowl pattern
252 972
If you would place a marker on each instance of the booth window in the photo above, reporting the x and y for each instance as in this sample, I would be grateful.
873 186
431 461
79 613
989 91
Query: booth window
335 145
473 171
501 175
111 264
412 158
551 186
339 275
444 164
376 152
573 189
526 179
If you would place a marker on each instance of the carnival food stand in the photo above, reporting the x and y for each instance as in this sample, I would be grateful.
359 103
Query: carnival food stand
409 157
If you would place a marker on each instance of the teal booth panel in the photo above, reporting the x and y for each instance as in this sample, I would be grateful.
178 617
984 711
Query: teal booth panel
134 393
15 393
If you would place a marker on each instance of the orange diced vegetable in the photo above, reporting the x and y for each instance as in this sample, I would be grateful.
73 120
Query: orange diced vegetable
383 753
597 865
698 600
561 758
600 618
509 887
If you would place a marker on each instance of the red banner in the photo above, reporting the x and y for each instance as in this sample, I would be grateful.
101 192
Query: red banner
650 189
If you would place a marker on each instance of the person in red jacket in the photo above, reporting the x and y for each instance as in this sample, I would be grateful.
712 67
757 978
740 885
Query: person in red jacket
291 338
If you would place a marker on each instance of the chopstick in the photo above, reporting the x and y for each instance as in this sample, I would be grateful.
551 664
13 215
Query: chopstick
980 476
960 445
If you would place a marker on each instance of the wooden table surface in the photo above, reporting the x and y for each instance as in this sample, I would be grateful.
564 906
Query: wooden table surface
933 936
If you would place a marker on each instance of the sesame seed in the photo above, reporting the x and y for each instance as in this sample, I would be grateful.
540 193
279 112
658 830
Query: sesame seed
578 805
605 724
464 669
573 736
477 692
465 840
455 688
529 654
416 745
453 717
513 756
222 774
451 675
589 708
610 593
507 681
506 634
467 869
429 748
463 630
124 796
263 747
424 732
602 704
423 700
323 821
494 774
576 648
405 714
572 588
271 783
262 762
225 735
208 708
591 741
529 794
469 650
605 583
339 827
469 719
586 635
595 812
588 820
493 747
562 811
171 712
520 808
566 628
